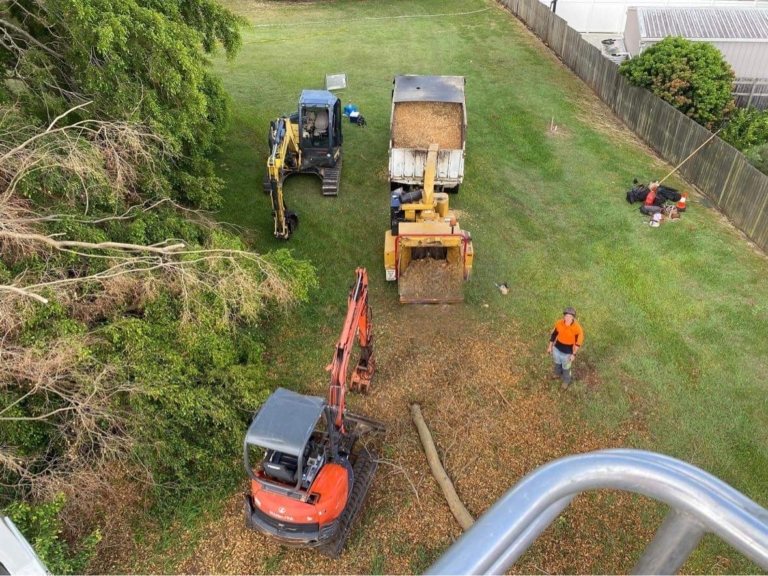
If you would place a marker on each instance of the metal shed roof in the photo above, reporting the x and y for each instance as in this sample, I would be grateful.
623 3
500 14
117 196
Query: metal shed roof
731 24
285 422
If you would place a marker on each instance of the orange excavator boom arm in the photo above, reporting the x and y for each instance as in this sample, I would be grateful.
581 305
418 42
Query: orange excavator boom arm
357 323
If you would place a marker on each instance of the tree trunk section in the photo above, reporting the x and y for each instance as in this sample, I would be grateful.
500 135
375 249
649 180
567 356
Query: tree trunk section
463 517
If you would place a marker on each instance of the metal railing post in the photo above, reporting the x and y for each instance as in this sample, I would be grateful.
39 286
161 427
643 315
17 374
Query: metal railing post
674 541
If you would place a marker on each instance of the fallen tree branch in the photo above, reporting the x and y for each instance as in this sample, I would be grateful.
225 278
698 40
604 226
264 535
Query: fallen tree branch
462 515
507 402
22 292
8 27
402 470
119 246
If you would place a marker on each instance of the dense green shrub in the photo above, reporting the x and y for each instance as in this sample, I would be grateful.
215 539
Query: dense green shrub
746 128
152 370
185 361
758 157
691 76
42 527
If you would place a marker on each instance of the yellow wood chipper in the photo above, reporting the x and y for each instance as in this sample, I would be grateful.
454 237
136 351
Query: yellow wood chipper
425 249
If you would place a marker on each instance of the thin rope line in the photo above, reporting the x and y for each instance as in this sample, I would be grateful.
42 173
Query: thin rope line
370 19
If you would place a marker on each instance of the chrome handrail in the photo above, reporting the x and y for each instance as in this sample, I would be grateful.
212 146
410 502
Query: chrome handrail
701 503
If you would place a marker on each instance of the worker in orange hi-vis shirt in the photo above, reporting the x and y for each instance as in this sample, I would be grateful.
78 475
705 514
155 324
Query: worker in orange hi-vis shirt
564 343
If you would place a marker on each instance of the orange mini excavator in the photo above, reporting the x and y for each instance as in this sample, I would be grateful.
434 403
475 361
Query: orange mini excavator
309 485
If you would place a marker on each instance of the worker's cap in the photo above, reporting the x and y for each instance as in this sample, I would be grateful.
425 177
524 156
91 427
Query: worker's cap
570 311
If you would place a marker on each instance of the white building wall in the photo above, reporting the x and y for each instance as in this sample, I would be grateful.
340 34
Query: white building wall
748 59
608 16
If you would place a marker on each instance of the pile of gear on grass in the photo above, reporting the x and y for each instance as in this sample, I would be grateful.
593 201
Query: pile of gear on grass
660 203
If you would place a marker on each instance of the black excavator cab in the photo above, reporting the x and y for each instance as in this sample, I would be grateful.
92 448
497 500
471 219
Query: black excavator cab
319 128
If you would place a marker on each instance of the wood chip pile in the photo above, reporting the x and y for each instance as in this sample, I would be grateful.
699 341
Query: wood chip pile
429 279
419 124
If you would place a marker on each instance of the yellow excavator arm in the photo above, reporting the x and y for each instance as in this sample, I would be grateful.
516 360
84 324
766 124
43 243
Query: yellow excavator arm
283 137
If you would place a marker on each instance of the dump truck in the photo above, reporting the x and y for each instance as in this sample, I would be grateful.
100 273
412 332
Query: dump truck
427 110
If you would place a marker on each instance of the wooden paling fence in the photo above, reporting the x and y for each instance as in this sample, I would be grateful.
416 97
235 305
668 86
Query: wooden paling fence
721 172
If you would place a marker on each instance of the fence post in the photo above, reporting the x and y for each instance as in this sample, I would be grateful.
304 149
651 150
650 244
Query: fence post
752 92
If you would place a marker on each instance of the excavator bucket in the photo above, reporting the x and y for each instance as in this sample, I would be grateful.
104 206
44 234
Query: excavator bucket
362 376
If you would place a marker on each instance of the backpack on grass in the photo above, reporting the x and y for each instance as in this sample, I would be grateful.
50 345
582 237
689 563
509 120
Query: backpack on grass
668 194
650 209
637 194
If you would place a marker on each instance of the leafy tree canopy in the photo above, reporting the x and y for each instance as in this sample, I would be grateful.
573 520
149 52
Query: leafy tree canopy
134 60
692 76
148 333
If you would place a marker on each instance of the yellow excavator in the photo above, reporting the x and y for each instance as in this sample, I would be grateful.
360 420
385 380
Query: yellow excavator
425 250
306 142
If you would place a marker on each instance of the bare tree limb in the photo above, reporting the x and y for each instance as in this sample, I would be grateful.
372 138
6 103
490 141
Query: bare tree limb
118 246
23 292
29 38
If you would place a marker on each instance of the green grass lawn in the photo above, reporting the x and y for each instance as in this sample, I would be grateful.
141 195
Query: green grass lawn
676 318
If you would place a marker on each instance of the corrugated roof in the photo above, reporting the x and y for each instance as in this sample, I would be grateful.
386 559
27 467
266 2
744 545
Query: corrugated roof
704 23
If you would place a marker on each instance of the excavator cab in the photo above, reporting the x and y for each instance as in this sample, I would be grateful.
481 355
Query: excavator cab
320 128
290 432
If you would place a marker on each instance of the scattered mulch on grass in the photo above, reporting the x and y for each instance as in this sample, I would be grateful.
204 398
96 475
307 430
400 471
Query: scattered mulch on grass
419 124
430 279
462 216
493 419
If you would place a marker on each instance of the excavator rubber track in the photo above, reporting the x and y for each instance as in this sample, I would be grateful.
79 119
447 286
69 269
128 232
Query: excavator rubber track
267 184
331 180
363 471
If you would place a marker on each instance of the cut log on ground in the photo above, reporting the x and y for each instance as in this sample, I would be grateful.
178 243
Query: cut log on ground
463 517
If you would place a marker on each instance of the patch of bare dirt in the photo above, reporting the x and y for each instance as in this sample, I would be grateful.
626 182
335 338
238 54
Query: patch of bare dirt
419 124
493 418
